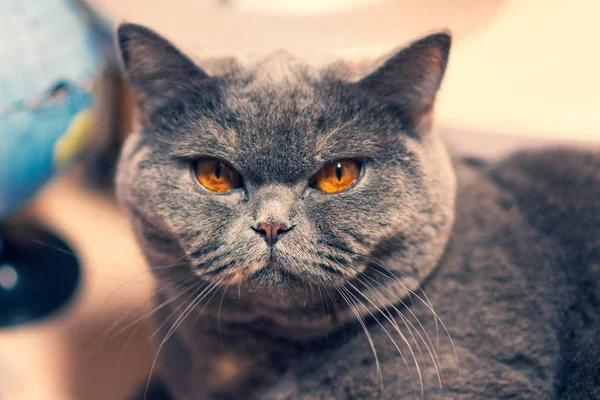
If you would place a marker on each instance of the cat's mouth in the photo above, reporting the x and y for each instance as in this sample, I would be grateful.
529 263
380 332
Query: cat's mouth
278 269
270 275
271 272
273 268
273 262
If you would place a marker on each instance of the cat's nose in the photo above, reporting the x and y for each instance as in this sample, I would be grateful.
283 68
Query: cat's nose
271 231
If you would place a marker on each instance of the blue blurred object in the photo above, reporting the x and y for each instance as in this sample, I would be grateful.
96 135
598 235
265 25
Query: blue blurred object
49 65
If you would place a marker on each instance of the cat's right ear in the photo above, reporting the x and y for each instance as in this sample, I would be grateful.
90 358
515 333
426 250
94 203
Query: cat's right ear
155 69
411 78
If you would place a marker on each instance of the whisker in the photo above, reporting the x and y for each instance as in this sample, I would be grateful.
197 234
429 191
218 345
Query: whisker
122 285
334 302
388 315
137 320
149 269
190 308
433 354
200 288
219 310
174 327
208 301
126 346
306 295
393 277
183 280
321 299
137 328
391 321
369 338
379 263
429 306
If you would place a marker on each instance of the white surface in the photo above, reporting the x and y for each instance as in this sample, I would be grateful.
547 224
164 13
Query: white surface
225 29
533 70
295 7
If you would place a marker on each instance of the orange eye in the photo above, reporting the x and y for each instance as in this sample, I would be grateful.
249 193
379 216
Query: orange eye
216 175
337 176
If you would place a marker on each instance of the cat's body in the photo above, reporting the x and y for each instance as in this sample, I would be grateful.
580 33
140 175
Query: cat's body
510 265
517 290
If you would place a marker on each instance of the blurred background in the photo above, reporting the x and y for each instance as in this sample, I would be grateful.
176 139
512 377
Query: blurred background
522 73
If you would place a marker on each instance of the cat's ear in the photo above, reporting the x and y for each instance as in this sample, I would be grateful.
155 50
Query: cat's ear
411 78
154 67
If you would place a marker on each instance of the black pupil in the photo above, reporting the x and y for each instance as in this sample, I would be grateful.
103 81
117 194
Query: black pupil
218 170
338 171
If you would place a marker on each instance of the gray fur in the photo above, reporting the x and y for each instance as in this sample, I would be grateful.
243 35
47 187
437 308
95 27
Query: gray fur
515 279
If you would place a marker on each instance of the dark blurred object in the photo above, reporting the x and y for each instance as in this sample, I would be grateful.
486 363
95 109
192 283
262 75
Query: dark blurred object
38 274
156 391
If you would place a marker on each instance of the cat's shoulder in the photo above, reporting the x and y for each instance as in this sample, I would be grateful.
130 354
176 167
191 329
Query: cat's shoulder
557 191
567 179
556 168
556 179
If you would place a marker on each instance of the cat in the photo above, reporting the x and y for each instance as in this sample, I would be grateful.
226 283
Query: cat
311 238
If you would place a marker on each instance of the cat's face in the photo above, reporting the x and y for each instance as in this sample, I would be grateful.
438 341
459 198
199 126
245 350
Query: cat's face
276 176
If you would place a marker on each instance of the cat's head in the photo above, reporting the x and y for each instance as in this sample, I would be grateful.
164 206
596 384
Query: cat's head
276 176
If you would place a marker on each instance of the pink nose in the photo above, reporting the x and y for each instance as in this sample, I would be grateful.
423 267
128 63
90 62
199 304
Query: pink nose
271 231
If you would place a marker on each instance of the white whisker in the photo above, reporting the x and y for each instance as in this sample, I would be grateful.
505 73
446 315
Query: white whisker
397 328
176 324
433 354
430 307
137 320
369 338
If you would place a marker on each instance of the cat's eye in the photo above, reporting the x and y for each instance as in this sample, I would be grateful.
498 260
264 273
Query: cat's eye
337 176
216 175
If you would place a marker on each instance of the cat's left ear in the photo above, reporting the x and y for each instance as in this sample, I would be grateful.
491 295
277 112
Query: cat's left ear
156 69
411 78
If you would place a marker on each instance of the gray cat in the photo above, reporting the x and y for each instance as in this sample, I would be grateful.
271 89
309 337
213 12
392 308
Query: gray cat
294 220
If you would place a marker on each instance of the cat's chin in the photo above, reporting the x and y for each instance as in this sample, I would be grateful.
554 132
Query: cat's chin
278 282
273 277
